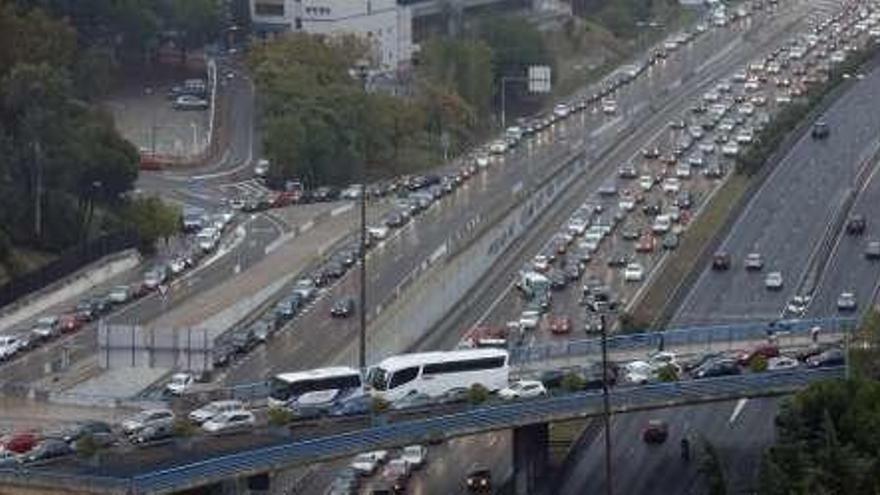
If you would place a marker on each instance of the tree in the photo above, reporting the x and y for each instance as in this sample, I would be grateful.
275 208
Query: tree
153 220
712 470
463 66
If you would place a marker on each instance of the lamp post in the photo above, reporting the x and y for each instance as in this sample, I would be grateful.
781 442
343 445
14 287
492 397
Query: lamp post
363 74
601 308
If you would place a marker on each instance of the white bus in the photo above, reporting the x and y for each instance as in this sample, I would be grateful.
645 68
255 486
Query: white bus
315 388
435 373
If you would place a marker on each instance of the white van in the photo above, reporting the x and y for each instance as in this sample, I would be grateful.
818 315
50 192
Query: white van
662 224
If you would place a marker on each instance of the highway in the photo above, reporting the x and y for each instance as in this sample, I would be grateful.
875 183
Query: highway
788 216
686 73
739 430
847 269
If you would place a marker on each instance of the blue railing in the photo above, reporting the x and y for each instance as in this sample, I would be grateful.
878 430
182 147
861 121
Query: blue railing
482 419
707 337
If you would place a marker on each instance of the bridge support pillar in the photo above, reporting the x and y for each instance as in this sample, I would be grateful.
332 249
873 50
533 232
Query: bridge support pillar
530 453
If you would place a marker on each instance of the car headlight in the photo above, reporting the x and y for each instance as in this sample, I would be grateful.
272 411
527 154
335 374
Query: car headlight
484 482
470 482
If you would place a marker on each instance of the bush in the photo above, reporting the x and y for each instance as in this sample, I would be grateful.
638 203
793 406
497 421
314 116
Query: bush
279 416
379 405
668 373
758 364
183 428
573 382
478 394
86 446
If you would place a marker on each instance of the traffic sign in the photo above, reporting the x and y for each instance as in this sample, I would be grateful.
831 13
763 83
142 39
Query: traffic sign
539 79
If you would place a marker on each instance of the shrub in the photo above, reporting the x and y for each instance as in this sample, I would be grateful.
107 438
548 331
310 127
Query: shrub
278 416
572 382
478 394
758 364
668 373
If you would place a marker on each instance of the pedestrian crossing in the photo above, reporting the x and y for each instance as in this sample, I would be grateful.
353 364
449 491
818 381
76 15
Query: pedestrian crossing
247 188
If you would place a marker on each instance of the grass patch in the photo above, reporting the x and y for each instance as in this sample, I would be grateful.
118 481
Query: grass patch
23 260
680 262
562 435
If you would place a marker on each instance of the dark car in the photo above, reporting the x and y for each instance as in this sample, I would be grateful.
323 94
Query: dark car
856 225
222 354
670 240
617 260
334 269
362 404
342 308
820 130
698 361
721 261
717 367
831 357
243 340
766 351
558 279
85 311
286 308
154 433
656 431
872 250
49 449
653 209
684 200
88 428
552 378
394 219
479 480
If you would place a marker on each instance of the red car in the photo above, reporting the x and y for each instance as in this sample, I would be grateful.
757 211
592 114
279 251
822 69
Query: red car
767 351
69 323
558 324
646 244
21 443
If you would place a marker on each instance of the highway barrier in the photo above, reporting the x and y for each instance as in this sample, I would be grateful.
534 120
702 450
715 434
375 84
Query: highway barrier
478 420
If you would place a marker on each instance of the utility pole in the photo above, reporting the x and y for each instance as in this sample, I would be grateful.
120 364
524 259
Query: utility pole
600 308
363 74
38 193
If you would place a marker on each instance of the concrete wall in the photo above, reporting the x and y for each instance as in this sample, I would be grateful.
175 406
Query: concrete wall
132 346
443 280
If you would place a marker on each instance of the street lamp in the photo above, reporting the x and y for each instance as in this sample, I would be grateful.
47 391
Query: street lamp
362 67
602 308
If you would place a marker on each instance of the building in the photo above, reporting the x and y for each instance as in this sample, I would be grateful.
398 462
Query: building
387 25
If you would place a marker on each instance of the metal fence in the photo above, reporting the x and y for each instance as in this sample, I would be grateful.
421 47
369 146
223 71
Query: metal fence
70 261
478 420
712 338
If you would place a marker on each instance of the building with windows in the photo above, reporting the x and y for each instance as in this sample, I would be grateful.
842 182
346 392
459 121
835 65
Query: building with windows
384 23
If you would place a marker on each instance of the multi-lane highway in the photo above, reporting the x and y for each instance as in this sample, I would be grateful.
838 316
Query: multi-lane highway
738 430
646 106
788 217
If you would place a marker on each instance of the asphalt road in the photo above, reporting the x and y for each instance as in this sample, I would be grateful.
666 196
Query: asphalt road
739 433
788 216
848 270
711 56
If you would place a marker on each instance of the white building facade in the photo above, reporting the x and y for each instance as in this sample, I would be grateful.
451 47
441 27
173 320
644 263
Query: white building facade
386 25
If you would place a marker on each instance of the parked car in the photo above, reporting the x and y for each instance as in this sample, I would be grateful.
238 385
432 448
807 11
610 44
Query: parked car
89 428
153 433
523 389
234 420
179 383
190 102
46 328
149 417
49 448
830 357
212 409
22 442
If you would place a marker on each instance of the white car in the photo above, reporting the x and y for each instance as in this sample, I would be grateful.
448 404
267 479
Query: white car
414 455
609 107
189 102
660 359
498 147
730 149
378 232
707 148
782 363
671 185
646 182
367 462
746 109
179 383
696 160
150 417
744 137
523 389
846 301
262 168
662 224
638 372
783 98
229 421
633 273
9 346
577 226
627 202
119 294
306 288
773 281
529 320
482 160
212 409
561 110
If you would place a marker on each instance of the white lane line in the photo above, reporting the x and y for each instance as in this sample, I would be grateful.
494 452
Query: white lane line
341 209
740 405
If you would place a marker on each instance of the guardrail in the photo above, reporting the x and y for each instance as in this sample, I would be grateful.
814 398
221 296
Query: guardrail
708 338
478 420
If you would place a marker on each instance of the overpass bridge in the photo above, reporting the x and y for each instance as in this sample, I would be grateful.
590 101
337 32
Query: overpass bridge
529 421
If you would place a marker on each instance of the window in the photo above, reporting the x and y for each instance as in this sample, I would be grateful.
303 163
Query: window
337 383
269 9
403 376
298 23
464 366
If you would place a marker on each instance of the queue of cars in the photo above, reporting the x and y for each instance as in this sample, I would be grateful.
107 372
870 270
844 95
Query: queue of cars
202 232
650 202
379 472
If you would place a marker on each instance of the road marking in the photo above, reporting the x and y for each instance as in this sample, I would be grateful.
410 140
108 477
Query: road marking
737 410
342 209
306 226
